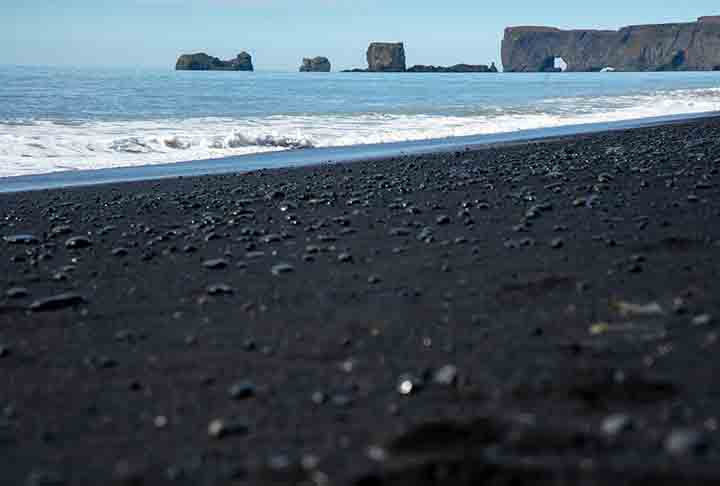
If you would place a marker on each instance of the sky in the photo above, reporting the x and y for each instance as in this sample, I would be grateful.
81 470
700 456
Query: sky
279 33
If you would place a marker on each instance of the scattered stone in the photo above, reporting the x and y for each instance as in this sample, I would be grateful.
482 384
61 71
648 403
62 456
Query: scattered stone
341 400
61 230
446 376
57 302
219 289
242 390
221 428
702 320
684 442
408 384
78 242
17 293
160 422
399 232
345 258
119 252
616 424
443 219
374 279
22 239
627 309
282 268
319 398
215 264
557 243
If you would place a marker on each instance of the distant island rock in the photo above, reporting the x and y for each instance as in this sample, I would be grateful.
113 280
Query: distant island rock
386 57
457 68
389 57
204 62
315 65
693 46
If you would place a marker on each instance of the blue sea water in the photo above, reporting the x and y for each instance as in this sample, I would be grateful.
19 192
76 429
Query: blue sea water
64 119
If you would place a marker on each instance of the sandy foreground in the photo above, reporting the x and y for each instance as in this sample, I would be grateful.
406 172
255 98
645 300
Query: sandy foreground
545 313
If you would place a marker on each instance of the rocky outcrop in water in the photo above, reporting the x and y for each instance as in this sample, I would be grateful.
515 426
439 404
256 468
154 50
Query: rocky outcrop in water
691 46
457 68
385 57
204 62
315 65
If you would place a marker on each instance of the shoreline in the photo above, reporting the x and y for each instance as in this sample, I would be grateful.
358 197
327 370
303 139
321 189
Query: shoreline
325 155
532 313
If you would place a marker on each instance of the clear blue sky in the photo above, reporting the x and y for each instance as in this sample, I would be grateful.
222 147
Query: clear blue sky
278 33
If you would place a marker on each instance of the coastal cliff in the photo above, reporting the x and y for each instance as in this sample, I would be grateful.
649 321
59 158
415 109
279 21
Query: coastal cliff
315 65
204 62
693 46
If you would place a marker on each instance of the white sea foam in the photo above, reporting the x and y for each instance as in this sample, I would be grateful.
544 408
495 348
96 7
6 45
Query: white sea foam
35 147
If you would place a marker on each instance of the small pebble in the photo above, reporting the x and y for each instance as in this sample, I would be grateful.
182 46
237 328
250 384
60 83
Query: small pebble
702 320
616 424
219 289
215 264
282 268
683 442
446 376
443 219
57 302
17 293
20 239
408 384
78 242
242 390
220 428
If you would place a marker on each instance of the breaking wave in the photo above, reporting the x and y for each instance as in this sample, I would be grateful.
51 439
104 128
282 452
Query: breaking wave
42 146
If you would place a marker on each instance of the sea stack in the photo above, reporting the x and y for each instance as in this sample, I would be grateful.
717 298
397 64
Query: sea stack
315 65
204 62
386 57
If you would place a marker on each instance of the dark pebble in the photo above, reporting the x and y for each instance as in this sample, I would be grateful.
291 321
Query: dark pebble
221 428
56 302
78 242
242 390
219 289
215 264
684 442
17 293
20 239
282 268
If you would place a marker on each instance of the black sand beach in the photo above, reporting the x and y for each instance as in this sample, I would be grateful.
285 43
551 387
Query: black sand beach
545 313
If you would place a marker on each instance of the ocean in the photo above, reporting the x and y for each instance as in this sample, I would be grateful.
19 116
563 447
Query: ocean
65 119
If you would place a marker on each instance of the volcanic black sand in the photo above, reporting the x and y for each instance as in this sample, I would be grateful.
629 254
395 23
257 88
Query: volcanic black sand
545 313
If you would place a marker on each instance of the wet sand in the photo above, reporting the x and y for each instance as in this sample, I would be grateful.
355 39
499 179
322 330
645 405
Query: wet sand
545 313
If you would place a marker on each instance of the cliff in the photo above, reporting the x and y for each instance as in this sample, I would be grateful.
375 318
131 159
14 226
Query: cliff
386 57
691 46
458 68
315 65
203 62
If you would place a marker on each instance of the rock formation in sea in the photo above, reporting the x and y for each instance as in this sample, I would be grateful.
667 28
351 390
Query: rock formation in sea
693 46
386 57
315 65
203 62
457 68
